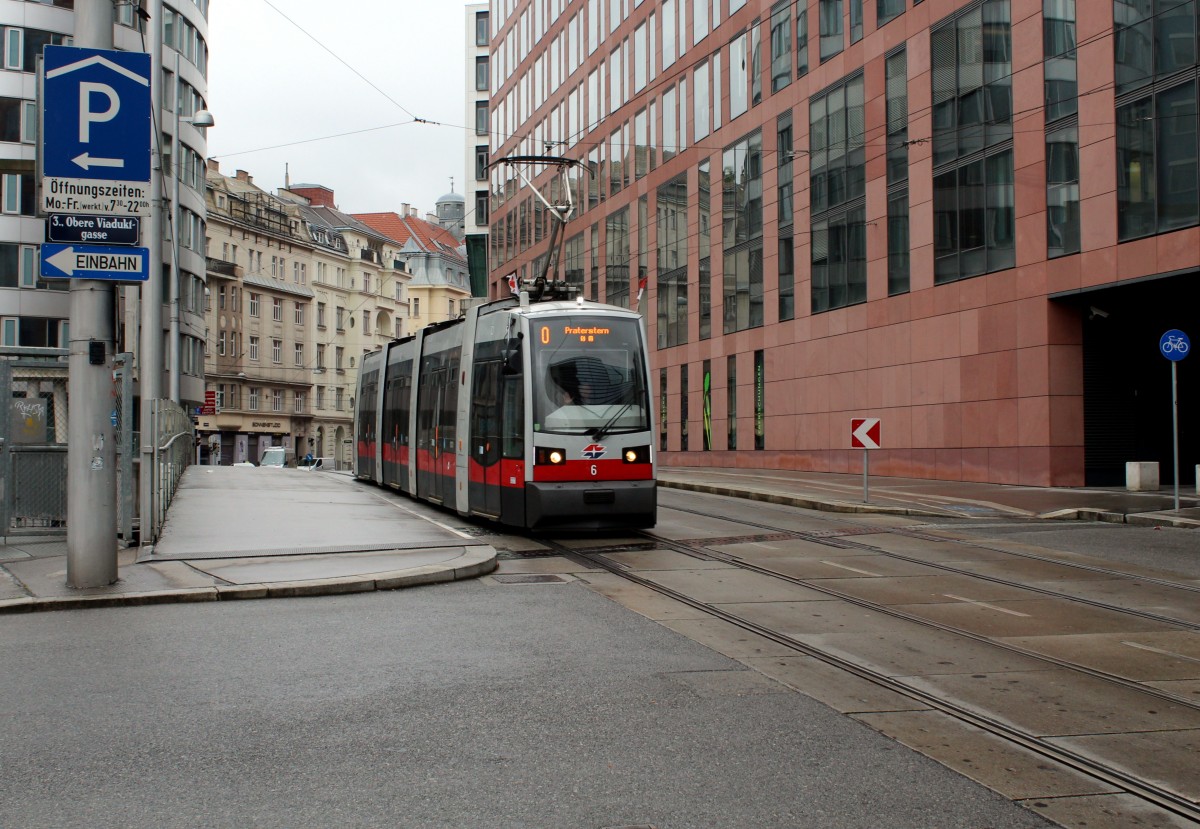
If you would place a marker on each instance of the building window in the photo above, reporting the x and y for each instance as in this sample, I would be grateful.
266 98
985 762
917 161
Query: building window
781 46
972 81
481 207
683 408
298 313
898 243
277 309
896 71
1062 192
277 400
481 117
276 351
320 315
1152 39
254 348
973 201
1157 169
787 279
731 400
801 38
483 32
704 202
837 196
481 165
743 231
253 304
1061 80
254 397
482 80
672 209
416 306
833 39
299 355
885 10
974 218
662 409
616 276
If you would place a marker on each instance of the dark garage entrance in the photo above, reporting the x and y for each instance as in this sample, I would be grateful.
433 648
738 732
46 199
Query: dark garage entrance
1127 382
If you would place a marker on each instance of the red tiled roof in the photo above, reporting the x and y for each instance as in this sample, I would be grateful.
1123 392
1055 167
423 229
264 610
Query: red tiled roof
428 236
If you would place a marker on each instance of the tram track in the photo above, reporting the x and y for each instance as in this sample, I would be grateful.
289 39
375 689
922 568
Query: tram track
778 533
1127 781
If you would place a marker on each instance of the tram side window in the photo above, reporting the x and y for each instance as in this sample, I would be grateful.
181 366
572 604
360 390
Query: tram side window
514 416
448 431
485 413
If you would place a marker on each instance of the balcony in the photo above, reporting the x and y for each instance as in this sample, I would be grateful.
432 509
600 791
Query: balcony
219 267
369 255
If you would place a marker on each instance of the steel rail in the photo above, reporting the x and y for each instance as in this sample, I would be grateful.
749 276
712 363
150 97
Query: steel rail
1163 798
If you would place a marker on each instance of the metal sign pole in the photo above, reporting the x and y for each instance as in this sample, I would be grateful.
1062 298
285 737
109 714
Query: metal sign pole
866 461
1175 425
91 438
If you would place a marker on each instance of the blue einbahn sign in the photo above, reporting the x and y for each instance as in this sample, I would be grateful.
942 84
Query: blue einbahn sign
117 264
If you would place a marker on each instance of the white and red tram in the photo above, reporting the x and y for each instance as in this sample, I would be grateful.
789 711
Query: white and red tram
533 415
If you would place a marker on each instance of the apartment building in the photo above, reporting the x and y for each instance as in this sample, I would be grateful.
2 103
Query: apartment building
433 256
35 312
921 212
260 323
477 147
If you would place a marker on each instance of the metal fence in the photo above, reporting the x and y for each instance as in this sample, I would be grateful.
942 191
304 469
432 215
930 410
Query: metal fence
174 448
33 441
33 447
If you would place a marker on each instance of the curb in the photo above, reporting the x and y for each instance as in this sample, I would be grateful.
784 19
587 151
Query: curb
800 502
481 560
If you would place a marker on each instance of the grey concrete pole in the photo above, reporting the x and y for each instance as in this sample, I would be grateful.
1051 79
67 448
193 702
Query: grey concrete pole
91 431
150 349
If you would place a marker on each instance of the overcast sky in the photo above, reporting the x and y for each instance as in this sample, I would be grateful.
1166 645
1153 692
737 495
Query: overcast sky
270 84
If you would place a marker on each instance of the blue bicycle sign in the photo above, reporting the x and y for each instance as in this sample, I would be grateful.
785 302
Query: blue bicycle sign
1174 345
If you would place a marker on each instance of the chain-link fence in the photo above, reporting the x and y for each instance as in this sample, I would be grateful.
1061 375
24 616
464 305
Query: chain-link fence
33 441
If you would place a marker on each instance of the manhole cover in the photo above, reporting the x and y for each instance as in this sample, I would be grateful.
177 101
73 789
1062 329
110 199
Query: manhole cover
528 579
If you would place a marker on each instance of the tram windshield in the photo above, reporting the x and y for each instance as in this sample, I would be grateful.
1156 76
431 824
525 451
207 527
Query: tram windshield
588 376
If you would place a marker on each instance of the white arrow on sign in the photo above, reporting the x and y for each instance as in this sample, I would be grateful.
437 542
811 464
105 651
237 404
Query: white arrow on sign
861 432
87 162
68 260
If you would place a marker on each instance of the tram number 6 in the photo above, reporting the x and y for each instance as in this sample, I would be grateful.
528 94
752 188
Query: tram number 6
593 470
545 335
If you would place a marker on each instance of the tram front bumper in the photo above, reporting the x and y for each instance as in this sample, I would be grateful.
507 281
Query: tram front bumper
575 505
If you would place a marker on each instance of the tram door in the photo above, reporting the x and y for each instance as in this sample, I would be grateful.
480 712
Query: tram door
448 430
484 463
429 407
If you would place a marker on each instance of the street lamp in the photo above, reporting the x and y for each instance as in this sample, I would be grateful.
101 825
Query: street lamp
201 119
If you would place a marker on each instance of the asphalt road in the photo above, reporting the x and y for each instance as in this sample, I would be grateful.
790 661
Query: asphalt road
465 705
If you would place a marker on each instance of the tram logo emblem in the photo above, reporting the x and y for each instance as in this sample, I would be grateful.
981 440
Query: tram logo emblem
594 451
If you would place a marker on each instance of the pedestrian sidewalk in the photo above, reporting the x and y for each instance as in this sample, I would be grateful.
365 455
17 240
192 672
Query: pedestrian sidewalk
254 532
836 492
251 533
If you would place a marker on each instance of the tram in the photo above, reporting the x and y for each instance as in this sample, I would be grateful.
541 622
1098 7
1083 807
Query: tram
531 413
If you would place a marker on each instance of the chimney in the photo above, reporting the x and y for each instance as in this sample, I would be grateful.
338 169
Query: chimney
242 175
403 209
213 165
317 195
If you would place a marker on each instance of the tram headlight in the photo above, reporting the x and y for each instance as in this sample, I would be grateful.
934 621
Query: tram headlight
637 454
546 456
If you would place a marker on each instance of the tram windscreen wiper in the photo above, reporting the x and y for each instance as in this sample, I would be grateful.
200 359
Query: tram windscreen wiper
600 432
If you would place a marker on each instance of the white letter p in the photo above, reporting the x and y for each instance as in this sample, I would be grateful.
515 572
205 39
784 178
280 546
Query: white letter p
86 116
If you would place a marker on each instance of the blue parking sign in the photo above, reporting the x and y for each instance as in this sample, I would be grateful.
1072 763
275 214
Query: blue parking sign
96 115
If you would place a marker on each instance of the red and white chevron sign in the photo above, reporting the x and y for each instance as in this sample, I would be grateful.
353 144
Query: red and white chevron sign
864 432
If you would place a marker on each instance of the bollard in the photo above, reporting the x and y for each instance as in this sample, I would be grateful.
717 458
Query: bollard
1141 476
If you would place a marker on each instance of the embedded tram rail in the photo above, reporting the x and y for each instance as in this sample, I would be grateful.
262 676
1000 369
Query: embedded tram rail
1023 667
